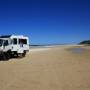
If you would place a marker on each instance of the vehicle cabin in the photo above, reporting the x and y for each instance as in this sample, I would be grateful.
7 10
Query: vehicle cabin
14 44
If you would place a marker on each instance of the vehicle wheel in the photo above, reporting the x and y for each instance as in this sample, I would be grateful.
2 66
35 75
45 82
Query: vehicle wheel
24 54
6 56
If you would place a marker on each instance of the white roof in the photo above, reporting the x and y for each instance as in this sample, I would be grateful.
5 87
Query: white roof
14 36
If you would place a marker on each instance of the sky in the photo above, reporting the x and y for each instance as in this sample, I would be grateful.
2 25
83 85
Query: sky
46 21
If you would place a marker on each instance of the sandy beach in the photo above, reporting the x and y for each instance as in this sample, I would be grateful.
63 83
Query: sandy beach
50 68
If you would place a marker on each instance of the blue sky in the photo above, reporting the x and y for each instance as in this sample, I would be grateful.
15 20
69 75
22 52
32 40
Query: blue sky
46 21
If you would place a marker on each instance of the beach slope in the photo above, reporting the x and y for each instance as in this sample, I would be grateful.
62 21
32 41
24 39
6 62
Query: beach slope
51 68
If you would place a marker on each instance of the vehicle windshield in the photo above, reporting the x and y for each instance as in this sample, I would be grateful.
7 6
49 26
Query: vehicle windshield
1 42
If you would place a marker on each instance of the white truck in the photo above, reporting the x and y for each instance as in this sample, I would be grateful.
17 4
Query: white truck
13 45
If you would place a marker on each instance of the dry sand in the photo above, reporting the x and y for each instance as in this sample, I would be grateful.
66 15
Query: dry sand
57 68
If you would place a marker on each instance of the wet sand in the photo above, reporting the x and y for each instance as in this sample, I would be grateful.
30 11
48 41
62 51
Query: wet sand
51 68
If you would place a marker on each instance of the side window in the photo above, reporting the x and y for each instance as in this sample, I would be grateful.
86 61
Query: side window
15 41
25 41
22 41
6 43
1 42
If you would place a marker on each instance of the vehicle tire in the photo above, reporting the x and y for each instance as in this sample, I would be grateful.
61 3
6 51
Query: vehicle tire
5 56
8 56
24 54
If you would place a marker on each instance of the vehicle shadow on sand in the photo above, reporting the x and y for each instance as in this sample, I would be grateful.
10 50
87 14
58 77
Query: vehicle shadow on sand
2 58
